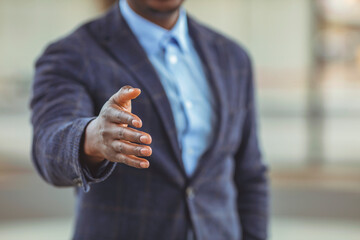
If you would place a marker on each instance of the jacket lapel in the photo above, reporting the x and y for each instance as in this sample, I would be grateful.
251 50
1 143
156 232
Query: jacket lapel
123 45
207 49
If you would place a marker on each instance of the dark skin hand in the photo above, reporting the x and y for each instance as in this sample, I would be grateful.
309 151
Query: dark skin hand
109 136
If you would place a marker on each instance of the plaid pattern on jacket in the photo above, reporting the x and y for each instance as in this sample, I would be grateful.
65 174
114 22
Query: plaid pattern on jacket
226 198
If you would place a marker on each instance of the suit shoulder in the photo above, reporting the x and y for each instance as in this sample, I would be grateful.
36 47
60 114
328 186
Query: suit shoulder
65 56
234 48
88 34
75 42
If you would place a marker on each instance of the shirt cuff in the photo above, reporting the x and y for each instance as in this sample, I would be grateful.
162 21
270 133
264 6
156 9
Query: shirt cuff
100 174
87 177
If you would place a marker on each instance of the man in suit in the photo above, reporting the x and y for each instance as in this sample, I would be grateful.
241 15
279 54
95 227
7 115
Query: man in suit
193 170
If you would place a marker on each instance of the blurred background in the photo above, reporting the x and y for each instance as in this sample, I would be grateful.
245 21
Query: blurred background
307 60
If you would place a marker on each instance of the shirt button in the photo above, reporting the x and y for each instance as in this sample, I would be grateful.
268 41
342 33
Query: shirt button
173 59
190 193
188 104
190 151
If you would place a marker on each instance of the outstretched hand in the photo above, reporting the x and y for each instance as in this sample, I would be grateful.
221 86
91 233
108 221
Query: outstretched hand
109 136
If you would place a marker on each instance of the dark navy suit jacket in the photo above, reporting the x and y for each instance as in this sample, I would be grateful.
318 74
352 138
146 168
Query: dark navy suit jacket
226 198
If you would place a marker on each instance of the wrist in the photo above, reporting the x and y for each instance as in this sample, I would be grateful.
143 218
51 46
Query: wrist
92 155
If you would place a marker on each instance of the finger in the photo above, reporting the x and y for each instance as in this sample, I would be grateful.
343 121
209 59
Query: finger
129 148
124 95
117 115
131 135
132 161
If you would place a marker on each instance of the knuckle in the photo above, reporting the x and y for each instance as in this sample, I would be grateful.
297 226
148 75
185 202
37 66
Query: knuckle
120 116
104 114
102 132
125 88
120 147
106 111
138 150
121 133
127 161
138 136
121 158
129 118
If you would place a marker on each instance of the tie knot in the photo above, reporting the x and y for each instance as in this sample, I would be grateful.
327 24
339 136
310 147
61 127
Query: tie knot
169 41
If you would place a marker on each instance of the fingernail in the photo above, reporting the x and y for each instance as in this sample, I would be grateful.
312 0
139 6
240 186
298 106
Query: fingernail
130 89
135 123
143 139
144 164
144 151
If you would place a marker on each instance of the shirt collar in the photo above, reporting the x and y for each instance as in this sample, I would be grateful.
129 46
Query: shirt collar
152 37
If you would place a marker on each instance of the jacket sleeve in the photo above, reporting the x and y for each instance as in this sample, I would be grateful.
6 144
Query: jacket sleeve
250 173
61 109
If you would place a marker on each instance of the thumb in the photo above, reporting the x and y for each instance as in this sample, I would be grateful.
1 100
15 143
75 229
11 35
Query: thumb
124 96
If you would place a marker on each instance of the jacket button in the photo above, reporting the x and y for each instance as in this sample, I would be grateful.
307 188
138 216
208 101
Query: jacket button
190 193
78 182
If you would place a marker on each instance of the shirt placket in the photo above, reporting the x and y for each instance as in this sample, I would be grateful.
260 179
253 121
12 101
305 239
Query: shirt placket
176 68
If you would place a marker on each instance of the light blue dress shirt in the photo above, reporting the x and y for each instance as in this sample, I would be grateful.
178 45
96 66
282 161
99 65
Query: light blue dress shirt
180 70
